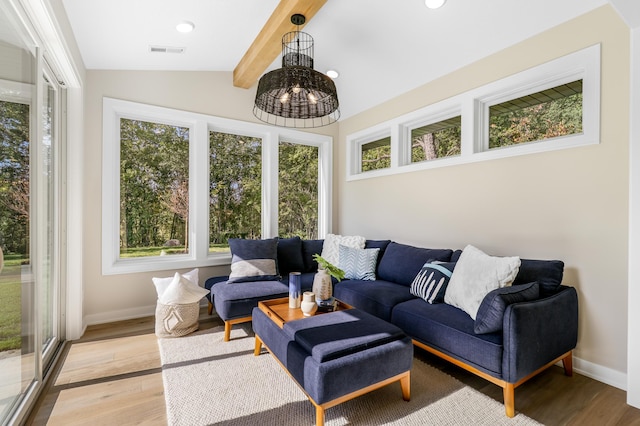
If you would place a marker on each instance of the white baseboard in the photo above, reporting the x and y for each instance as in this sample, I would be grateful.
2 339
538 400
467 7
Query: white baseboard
120 315
124 314
602 374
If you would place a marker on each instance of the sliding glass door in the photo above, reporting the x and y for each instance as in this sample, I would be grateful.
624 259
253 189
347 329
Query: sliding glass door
30 144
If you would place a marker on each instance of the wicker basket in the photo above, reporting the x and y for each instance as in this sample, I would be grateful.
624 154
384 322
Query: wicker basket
176 320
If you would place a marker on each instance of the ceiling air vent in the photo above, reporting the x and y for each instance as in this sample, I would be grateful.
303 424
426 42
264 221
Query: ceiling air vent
166 49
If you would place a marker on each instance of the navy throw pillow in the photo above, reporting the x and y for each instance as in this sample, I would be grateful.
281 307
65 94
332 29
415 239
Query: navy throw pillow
491 310
431 282
290 255
548 274
400 262
309 248
253 260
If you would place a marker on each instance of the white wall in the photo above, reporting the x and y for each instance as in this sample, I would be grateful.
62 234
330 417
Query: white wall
570 205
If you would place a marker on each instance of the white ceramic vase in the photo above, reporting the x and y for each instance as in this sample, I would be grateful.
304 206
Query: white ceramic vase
308 304
322 286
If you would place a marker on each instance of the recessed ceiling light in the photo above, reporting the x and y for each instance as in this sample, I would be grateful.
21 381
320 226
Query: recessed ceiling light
185 27
333 74
434 4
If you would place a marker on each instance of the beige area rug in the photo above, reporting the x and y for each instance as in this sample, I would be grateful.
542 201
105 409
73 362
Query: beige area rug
210 382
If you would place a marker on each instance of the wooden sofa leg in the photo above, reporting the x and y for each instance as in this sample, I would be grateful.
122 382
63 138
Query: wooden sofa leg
227 331
210 308
405 385
567 363
509 399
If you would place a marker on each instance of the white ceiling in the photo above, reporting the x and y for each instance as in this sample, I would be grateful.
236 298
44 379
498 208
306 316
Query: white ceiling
381 48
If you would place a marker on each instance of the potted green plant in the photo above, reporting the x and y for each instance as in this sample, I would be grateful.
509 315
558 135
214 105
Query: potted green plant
322 285
331 269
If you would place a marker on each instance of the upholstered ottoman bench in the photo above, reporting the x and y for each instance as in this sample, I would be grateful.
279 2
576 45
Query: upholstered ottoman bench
337 356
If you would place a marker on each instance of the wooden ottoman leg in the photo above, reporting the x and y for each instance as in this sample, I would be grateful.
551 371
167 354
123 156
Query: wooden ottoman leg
258 347
319 415
405 385
210 308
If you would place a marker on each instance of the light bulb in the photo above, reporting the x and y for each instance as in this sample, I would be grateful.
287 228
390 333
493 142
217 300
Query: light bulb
296 89
284 98
312 98
185 27
332 74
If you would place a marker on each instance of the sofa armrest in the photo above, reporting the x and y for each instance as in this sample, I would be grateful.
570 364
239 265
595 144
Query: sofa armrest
535 333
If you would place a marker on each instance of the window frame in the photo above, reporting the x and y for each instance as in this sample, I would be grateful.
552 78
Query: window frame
354 155
473 107
199 126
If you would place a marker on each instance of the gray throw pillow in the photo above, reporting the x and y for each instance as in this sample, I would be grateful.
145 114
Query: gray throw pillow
253 260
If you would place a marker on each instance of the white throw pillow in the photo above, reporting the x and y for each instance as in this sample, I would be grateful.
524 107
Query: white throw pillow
332 243
475 275
162 283
182 291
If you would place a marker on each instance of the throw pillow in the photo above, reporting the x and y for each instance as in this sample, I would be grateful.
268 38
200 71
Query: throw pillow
431 282
182 291
491 311
253 260
309 249
162 283
475 275
331 246
401 262
358 264
290 255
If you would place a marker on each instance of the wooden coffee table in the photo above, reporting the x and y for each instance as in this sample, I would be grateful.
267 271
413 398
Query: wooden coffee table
280 312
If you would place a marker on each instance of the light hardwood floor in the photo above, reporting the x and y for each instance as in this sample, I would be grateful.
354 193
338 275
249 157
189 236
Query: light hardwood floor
112 376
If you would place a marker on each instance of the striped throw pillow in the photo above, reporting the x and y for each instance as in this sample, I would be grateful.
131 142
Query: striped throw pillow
431 282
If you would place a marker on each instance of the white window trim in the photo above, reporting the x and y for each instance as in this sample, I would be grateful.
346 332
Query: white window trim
473 106
199 127
354 156
19 93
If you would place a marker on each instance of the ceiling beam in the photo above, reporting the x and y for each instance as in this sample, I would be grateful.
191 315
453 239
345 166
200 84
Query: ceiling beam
268 44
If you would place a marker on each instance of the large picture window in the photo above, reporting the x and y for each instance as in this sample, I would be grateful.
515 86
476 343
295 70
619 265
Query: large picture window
235 184
297 190
154 189
177 185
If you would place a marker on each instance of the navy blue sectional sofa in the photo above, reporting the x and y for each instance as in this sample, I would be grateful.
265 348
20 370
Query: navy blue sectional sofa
535 334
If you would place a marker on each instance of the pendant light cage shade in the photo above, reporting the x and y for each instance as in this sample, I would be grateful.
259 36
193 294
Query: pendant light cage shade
296 95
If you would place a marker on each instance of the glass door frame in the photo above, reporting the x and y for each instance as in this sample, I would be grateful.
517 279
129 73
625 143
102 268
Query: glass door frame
47 212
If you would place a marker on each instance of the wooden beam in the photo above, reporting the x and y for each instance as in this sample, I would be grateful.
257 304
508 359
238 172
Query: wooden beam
268 44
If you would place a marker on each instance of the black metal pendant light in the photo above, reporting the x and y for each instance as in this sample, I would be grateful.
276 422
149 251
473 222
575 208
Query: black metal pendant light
296 95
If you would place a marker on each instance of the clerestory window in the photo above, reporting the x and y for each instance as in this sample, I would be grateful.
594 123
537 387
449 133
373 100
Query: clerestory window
553 106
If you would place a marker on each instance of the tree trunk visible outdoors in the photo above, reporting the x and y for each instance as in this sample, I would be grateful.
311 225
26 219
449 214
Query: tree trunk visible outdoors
428 144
